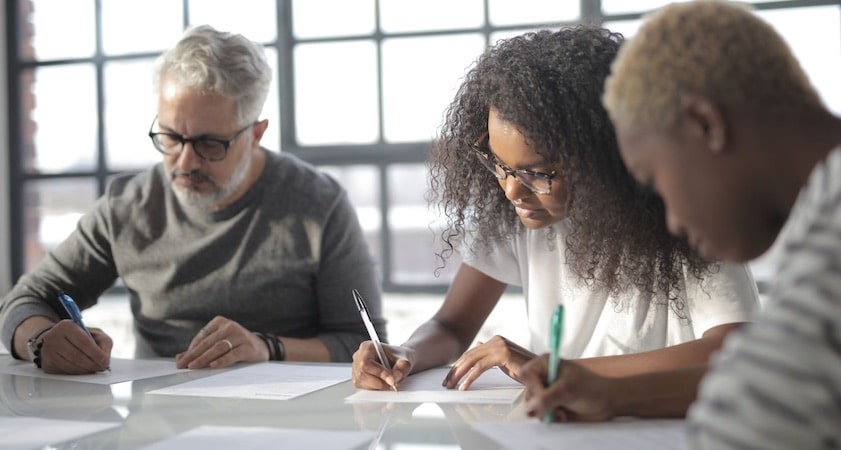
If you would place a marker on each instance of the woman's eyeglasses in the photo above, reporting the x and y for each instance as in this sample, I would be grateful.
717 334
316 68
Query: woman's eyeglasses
537 182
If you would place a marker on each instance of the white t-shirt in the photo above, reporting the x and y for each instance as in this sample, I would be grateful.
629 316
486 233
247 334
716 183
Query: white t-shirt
596 324
777 384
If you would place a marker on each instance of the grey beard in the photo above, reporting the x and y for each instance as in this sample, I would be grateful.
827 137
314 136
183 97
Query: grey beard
209 201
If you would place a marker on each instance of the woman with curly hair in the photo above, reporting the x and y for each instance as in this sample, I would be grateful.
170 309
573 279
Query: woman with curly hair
527 171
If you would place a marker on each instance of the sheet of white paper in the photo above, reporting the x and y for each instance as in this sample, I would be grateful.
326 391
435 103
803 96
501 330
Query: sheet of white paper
224 438
493 386
121 370
33 432
274 381
627 434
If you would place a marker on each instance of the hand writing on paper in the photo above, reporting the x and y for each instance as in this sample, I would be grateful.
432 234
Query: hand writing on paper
578 394
368 373
221 343
497 352
68 349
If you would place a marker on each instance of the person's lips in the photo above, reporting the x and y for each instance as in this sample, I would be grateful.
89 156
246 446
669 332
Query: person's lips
526 213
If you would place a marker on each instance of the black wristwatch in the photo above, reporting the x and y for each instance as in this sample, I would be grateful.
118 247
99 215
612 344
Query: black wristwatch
34 345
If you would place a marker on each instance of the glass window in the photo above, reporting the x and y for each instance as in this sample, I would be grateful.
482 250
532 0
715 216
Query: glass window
402 16
64 119
819 50
635 6
414 231
130 107
336 93
347 17
51 210
519 12
255 19
271 109
414 95
55 37
134 26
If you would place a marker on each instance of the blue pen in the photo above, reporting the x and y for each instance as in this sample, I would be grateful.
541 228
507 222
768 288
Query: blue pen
75 315
556 328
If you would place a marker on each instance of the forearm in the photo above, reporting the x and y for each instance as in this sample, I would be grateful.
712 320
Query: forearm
313 349
660 394
676 357
433 345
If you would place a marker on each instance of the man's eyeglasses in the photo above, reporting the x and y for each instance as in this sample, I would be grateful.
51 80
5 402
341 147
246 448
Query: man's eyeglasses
206 147
537 182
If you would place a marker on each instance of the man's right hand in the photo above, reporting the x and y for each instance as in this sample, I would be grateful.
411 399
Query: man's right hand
67 349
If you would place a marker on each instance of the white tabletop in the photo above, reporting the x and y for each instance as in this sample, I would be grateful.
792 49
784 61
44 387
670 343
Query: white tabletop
167 412
145 419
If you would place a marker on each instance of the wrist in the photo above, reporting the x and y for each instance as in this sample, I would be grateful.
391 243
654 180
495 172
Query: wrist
277 351
35 344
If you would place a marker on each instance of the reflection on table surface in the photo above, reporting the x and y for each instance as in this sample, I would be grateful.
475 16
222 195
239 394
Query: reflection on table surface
148 418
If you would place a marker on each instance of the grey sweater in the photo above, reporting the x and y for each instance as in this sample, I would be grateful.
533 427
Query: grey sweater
282 259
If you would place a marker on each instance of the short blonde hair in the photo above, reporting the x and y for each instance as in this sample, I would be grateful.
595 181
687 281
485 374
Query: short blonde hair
712 48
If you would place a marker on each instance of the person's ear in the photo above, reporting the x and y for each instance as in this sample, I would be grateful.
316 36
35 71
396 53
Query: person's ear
706 121
259 129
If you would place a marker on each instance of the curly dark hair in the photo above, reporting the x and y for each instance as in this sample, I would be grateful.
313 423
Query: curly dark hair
549 84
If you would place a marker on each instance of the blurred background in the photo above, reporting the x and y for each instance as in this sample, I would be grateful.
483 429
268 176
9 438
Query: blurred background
360 88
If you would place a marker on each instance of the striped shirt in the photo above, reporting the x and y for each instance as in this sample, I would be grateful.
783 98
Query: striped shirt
777 384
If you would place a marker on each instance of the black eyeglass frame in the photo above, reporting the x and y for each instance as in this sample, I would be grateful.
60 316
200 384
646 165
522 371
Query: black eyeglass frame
490 162
183 140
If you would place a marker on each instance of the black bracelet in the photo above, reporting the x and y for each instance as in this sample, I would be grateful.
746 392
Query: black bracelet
36 343
279 348
272 354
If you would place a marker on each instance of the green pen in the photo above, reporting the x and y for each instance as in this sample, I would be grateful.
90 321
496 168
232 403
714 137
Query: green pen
556 329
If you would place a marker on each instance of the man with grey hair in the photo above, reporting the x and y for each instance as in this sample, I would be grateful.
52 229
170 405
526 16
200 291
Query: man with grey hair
229 252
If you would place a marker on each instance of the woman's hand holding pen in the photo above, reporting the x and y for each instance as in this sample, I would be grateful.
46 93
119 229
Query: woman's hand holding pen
368 373
221 343
496 352
577 395
67 349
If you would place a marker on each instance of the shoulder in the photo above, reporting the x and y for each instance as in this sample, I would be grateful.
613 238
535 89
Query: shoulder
133 186
291 173
294 186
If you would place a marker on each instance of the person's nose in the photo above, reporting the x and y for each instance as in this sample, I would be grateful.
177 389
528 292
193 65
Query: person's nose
188 160
514 190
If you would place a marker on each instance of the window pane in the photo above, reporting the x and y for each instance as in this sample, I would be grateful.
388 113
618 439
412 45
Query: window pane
271 109
516 12
130 107
402 16
415 97
254 19
628 28
636 6
363 188
55 37
140 26
336 93
812 33
347 17
63 126
51 210
415 232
